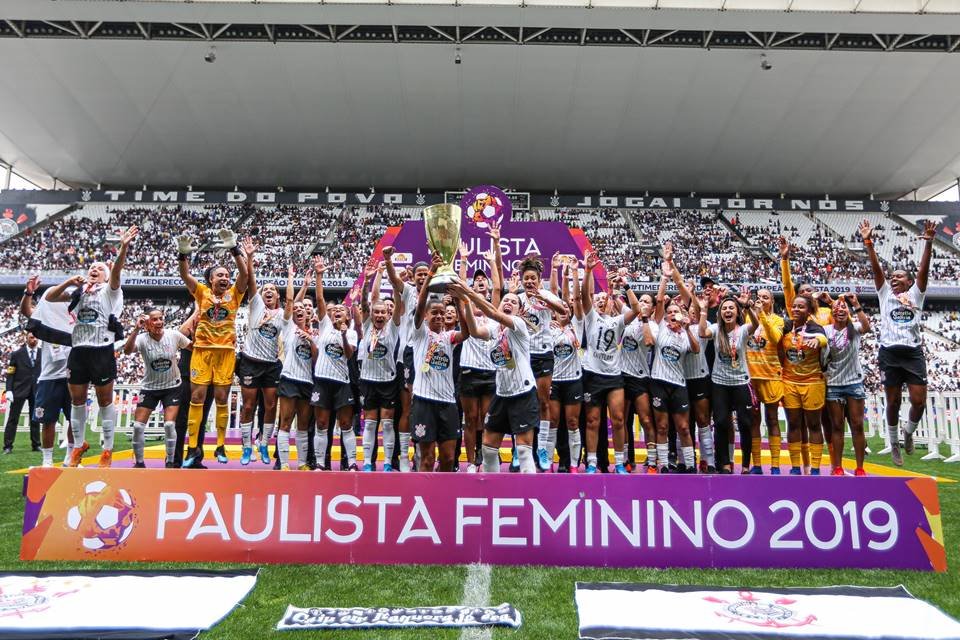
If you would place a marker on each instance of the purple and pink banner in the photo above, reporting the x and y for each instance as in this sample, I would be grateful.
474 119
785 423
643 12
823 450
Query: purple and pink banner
481 205
433 518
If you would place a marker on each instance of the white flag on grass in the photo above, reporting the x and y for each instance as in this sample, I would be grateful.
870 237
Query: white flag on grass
662 612
118 604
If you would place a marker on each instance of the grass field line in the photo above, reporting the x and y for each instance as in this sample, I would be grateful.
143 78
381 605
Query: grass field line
476 593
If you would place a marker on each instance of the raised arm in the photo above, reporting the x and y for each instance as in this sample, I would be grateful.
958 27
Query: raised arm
26 302
288 298
661 299
866 232
703 329
923 273
744 301
555 264
496 281
375 287
590 262
131 344
184 249
467 319
318 269
59 292
464 254
789 293
365 302
395 281
239 260
631 314
435 262
857 310
694 343
486 309
573 277
494 233
125 238
249 249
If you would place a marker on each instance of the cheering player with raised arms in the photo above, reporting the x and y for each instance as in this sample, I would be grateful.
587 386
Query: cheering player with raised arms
901 356
258 364
299 353
336 343
433 412
763 365
635 366
566 389
378 373
601 362
160 350
97 302
214 340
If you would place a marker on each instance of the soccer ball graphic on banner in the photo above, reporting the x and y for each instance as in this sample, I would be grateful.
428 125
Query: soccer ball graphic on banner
486 208
103 518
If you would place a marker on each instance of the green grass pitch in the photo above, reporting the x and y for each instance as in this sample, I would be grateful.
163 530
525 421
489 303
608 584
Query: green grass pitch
544 596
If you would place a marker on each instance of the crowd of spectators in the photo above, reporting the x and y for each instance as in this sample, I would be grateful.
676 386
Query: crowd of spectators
286 235
359 229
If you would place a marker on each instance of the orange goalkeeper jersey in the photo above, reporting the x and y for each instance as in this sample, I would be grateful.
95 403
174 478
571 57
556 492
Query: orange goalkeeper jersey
763 349
216 328
801 364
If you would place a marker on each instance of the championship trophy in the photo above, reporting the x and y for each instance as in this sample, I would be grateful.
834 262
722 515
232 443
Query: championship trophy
442 223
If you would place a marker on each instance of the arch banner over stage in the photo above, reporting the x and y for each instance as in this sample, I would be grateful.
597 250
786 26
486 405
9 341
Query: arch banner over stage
480 206
458 518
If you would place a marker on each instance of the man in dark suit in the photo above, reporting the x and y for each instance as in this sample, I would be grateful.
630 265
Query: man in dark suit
23 369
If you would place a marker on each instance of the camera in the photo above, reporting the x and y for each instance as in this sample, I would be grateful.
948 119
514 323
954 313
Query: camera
210 56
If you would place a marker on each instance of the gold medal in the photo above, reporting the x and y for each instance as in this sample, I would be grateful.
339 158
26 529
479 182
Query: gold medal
425 367
511 364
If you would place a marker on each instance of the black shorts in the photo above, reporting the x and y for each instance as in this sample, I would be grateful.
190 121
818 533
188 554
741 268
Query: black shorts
699 389
596 386
257 374
542 364
902 365
669 398
409 371
91 365
288 388
516 414
331 395
568 392
167 397
432 421
53 398
378 395
634 387
476 383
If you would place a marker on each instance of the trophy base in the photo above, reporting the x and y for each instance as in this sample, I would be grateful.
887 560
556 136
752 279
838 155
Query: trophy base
440 282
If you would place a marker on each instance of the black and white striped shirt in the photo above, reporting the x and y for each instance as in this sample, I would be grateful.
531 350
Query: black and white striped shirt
567 352
433 359
409 298
668 357
53 357
263 331
511 356
539 316
332 360
161 359
634 354
296 354
900 324
602 343
97 303
475 353
843 356
376 351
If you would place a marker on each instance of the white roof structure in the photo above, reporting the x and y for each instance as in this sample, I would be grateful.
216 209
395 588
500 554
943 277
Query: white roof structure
756 96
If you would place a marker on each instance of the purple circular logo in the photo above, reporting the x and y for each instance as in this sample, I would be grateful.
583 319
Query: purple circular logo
484 204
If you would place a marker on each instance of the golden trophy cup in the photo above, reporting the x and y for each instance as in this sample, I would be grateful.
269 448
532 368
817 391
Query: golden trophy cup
442 224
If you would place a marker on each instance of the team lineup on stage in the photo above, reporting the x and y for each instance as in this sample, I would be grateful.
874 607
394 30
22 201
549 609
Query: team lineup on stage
449 365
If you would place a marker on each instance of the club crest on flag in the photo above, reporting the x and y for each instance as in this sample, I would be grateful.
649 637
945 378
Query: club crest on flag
486 204
34 597
754 610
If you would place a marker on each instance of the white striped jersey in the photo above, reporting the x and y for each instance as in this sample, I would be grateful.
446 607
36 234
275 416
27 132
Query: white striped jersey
433 362
634 354
332 359
97 303
567 351
728 370
900 316
843 356
263 331
409 298
602 343
297 358
511 356
376 352
539 316
475 353
161 359
53 357
670 348
695 364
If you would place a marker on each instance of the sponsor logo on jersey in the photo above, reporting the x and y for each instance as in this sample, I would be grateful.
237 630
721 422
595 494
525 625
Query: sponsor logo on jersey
757 344
562 350
87 315
630 344
379 352
303 351
217 314
268 331
794 355
902 315
499 358
440 361
334 351
161 365
670 354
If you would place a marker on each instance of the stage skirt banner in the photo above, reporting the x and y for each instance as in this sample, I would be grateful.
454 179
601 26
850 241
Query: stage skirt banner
118 604
562 520
610 610
504 615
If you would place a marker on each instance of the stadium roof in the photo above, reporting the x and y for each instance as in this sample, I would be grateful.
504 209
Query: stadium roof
546 97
